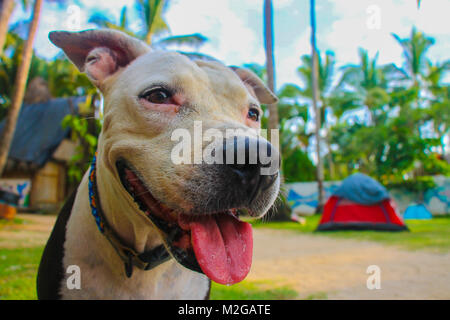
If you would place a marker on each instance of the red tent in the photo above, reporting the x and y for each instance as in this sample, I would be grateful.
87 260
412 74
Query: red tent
360 203
342 214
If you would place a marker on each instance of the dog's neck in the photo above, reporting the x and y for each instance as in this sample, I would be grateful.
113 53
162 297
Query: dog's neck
102 271
122 214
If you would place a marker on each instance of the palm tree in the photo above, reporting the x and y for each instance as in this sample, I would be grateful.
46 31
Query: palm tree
292 114
19 88
439 99
325 73
411 92
7 7
315 98
366 84
325 66
151 13
294 138
268 37
414 50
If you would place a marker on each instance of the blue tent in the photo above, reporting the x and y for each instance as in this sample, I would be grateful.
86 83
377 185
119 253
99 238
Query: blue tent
417 211
362 189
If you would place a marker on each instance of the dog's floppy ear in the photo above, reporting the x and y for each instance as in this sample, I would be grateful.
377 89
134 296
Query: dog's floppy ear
99 53
263 93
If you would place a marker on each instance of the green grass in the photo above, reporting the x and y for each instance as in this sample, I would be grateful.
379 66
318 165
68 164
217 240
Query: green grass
431 235
309 227
252 290
18 270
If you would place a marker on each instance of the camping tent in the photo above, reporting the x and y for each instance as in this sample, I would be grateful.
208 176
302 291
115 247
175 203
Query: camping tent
360 203
417 211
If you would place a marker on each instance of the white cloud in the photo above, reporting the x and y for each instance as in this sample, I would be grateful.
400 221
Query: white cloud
230 39
57 17
276 4
288 59
350 30
279 4
235 28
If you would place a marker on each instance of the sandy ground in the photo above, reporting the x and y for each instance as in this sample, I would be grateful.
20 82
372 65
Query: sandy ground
314 266
37 227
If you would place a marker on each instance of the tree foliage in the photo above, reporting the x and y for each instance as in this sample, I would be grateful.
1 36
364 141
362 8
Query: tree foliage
401 138
387 121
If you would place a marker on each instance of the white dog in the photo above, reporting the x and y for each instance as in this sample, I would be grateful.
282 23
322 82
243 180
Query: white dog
140 226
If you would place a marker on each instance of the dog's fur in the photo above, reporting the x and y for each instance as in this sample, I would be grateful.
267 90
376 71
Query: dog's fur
121 67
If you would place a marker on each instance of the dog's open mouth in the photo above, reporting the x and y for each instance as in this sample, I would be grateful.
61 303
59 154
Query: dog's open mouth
219 245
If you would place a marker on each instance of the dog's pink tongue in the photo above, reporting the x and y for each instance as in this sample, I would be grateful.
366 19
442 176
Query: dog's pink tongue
223 246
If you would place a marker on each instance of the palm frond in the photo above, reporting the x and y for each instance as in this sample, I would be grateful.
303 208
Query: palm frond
290 90
151 13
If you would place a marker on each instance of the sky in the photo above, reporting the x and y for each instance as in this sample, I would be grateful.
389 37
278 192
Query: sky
235 28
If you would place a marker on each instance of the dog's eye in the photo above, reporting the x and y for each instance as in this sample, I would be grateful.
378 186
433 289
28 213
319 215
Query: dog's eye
253 114
157 95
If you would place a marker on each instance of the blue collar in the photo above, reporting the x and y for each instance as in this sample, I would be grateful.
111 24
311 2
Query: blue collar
146 260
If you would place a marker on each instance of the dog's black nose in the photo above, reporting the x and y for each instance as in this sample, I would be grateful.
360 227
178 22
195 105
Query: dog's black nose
252 164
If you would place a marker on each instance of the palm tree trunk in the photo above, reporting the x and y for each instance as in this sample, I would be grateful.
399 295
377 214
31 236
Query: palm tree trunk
281 209
148 38
19 88
7 9
268 36
331 166
315 99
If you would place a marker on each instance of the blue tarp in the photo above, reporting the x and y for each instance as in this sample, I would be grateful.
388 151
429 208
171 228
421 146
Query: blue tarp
417 211
39 131
362 189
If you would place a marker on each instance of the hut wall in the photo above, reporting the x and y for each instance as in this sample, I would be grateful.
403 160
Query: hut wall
48 187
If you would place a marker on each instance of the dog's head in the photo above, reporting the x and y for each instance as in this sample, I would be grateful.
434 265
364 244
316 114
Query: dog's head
177 137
